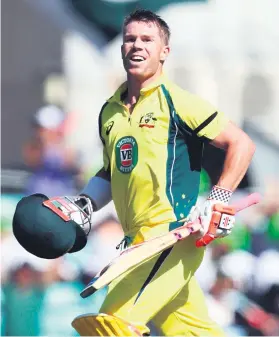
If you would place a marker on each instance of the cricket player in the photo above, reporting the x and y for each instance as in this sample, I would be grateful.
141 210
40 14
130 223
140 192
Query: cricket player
153 133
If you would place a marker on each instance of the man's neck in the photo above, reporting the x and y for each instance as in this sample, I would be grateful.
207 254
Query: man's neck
135 85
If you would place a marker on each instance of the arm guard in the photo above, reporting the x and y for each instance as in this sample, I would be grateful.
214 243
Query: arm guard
98 190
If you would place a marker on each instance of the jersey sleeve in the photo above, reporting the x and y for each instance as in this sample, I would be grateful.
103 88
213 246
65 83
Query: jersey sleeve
201 117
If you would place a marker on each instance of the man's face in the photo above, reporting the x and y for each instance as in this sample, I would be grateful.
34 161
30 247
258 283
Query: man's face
143 49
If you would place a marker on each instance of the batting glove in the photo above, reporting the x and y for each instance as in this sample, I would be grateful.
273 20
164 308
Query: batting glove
216 217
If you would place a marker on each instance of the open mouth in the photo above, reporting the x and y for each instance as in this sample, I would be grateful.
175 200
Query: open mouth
137 58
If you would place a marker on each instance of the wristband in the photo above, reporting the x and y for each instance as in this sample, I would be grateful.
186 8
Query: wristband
220 194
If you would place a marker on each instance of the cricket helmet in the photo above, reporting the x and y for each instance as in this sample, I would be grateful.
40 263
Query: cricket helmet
42 232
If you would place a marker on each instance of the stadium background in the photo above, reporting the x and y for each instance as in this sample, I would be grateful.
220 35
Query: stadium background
60 62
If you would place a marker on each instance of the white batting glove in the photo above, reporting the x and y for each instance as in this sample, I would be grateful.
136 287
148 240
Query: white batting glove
216 217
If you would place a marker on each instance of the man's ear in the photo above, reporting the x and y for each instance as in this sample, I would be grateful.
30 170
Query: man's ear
164 53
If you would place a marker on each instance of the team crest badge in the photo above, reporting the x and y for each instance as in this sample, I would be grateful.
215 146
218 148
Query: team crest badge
148 120
126 150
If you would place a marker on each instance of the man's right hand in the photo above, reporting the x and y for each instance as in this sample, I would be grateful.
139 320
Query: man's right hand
215 216
76 208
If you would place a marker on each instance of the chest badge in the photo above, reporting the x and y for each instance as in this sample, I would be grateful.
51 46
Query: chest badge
148 120
126 150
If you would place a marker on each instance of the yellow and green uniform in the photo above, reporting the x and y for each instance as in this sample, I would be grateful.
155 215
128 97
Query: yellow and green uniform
154 155
154 159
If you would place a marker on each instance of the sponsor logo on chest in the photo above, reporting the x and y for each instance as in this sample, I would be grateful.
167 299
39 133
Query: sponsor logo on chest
126 151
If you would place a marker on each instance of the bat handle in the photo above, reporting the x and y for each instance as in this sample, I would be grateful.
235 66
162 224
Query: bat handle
246 202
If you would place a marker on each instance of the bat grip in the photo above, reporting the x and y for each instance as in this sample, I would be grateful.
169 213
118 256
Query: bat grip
246 202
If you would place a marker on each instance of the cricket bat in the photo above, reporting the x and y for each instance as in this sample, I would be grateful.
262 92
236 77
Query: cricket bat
138 254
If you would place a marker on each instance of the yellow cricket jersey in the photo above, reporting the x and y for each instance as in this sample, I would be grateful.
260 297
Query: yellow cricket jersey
154 155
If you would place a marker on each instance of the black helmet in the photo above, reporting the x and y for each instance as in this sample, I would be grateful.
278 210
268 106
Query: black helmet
42 232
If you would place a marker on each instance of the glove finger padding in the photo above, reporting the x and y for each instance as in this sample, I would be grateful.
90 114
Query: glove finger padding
203 214
220 225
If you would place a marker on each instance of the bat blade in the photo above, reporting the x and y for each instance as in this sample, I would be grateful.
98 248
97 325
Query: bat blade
137 255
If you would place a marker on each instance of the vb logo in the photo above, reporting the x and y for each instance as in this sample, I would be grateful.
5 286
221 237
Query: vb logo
126 154
126 151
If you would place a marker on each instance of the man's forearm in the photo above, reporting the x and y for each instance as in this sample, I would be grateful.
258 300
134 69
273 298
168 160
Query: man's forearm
98 189
238 158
